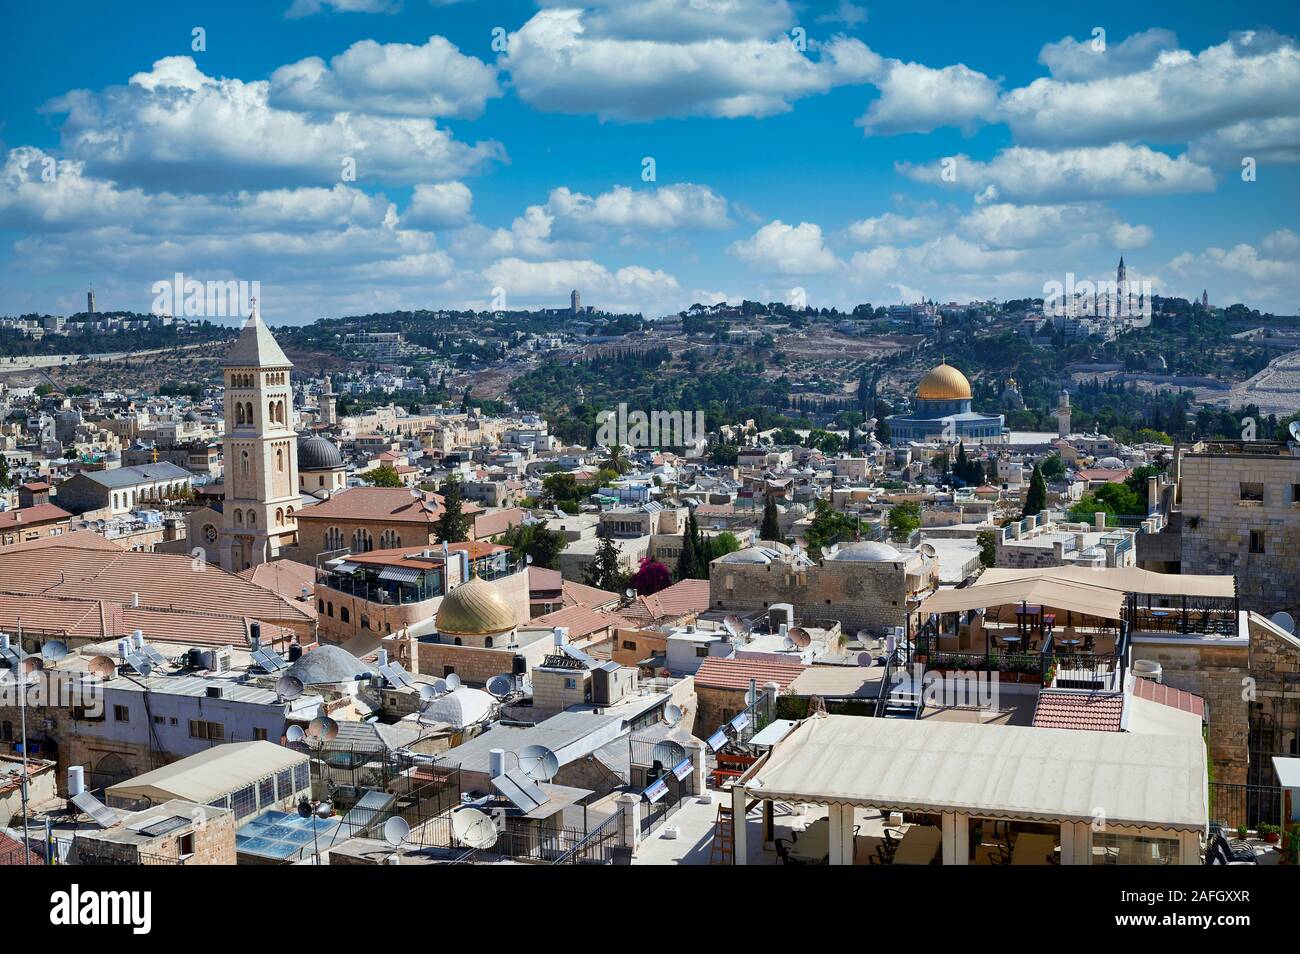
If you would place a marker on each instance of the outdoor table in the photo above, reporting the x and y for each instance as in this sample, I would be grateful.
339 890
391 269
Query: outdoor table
1012 640
1160 616
919 844
1071 642
813 844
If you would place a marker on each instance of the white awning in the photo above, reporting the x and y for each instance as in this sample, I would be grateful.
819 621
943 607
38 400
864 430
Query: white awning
400 574
997 771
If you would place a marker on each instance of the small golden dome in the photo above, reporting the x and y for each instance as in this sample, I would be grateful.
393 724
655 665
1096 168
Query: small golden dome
944 383
475 608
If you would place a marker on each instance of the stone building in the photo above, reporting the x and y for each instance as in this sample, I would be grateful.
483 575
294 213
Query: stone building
260 451
864 585
943 413
1240 515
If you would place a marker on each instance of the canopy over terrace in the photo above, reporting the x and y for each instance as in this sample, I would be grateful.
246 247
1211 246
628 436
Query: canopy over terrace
1064 595
1150 785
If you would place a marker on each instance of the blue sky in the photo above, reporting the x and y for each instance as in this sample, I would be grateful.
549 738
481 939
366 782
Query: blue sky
798 149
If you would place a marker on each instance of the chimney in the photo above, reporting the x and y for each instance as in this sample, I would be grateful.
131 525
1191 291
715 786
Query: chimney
1099 521
135 600
18 516
496 763
1153 492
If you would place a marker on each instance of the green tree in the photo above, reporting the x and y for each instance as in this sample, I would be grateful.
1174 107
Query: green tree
987 539
904 519
534 540
689 563
385 475
1053 468
1036 497
452 526
829 526
5 480
606 572
561 486
771 528
714 547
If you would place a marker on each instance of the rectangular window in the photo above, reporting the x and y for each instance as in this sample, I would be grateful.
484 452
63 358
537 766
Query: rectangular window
212 731
243 802
629 644
121 714
1257 541
701 651
266 792
570 684
284 784
1253 492
1295 493
301 776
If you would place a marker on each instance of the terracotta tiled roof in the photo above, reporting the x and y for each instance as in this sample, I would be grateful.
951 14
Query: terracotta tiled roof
32 516
73 539
681 599
381 504
543 581
1102 473
718 673
163 581
1169 696
1099 712
491 522
580 594
582 621
12 852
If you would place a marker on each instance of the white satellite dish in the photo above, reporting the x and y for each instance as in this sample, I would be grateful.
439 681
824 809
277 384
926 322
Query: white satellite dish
538 762
295 733
789 644
672 713
323 728
473 828
288 687
1295 430
1283 619
428 693
733 626
54 650
668 752
801 637
453 682
501 686
396 830
866 659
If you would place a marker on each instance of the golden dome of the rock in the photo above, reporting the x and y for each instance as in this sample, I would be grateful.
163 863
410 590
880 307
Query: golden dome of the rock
944 383
475 608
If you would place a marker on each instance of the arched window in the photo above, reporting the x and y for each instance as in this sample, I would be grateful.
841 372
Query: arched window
248 412
487 643
344 614
239 518
279 516
252 518
239 415
279 460
458 642
245 466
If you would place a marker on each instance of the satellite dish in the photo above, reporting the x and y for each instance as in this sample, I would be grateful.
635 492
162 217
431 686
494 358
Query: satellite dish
54 650
672 713
630 593
396 830
788 643
866 659
295 733
102 666
927 549
800 637
528 559
539 763
453 682
329 729
668 752
733 626
1283 619
473 828
288 687
500 686
440 686
1295 430
144 667
428 693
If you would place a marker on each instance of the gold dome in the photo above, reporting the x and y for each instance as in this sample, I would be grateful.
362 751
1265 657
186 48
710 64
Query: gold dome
944 383
474 608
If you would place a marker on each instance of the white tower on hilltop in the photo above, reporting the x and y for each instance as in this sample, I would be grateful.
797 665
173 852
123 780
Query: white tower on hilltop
328 407
260 450
1063 414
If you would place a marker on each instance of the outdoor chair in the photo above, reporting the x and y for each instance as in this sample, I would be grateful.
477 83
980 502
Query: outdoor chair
1225 852
783 852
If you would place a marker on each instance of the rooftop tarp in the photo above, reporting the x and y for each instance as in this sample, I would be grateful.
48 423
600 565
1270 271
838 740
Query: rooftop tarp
208 775
997 771
1129 579
1058 595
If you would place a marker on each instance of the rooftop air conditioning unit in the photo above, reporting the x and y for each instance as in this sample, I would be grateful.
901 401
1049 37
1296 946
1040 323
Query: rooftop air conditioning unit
223 659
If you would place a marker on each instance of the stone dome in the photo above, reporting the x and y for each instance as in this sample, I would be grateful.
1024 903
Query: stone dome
475 608
317 453
943 383
868 551
749 555
1110 463
190 417
461 707
326 665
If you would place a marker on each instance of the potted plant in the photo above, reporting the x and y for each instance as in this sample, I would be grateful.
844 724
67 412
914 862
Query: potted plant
1270 833
1242 830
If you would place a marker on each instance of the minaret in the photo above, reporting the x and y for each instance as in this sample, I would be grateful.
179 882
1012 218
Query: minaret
1205 299
90 301
1063 413
1121 273
260 450
328 407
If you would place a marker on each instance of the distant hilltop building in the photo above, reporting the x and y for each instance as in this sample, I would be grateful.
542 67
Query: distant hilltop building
1205 299
90 301
943 413
575 302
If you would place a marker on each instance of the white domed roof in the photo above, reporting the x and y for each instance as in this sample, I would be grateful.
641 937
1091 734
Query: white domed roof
868 552
748 555
1110 463
461 707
